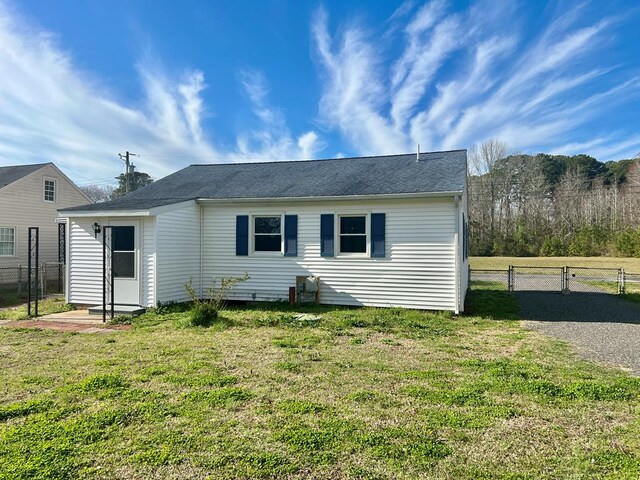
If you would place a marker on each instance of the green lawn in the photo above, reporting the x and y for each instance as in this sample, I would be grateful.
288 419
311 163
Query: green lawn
357 393
45 307
631 265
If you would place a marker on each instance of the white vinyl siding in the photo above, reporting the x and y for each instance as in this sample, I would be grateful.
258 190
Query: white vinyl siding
418 269
85 263
84 286
22 206
148 259
178 252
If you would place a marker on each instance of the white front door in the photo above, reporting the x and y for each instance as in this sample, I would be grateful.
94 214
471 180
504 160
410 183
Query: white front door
125 261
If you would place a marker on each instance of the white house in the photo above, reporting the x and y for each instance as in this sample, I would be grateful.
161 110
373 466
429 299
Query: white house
379 231
30 196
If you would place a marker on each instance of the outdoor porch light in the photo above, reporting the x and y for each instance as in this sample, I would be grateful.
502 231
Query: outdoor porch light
96 229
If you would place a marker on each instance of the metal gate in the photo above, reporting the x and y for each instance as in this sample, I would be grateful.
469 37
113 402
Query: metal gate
536 279
595 280
566 279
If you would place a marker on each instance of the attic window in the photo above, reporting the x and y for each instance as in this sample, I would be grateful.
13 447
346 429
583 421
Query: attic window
49 190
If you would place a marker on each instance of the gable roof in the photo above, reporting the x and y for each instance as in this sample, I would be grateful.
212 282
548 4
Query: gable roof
436 172
13 173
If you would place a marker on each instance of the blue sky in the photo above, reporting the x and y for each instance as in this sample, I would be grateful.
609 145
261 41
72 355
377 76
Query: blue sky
227 81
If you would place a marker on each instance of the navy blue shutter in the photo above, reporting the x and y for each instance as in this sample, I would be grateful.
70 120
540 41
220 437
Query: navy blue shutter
326 235
290 235
242 235
377 234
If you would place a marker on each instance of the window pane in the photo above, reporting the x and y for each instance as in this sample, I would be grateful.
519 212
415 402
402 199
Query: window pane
6 234
123 264
124 239
49 190
353 243
268 243
7 241
267 225
352 224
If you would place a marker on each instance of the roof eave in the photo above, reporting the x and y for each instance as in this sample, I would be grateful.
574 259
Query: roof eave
385 196
104 213
123 212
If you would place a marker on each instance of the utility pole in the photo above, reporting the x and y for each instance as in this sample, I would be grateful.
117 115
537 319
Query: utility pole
127 177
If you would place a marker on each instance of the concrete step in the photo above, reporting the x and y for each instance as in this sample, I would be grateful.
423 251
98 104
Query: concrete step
132 310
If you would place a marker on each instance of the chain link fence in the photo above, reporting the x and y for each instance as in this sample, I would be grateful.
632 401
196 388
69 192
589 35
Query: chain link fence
559 279
489 276
14 282
631 283
537 279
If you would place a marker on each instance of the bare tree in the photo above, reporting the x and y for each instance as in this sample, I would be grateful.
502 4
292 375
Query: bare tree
484 160
484 157
98 193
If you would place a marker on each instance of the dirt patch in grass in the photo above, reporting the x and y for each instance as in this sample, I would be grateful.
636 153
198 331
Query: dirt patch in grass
65 326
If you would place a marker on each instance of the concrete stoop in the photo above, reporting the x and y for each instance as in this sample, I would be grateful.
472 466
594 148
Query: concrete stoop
131 310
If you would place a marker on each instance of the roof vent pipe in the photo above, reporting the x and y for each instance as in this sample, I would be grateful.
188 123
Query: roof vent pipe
418 154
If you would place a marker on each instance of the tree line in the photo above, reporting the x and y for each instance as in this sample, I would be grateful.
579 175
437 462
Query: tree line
552 205
104 193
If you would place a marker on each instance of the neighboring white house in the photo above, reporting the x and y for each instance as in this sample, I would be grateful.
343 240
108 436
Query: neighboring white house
30 196
379 231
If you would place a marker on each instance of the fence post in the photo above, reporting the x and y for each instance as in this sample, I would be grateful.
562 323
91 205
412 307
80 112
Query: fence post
621 285
19 280
43 280
510 278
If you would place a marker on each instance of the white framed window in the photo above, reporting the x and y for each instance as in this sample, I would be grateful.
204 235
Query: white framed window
352 233
7 242
267 233
49 190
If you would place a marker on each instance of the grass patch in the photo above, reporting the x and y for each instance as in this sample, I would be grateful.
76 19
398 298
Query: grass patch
45 307
491 300
631 289
502 263
314 391
222 397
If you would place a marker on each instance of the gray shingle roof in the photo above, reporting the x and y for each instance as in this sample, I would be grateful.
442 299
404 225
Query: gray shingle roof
12 173
391 174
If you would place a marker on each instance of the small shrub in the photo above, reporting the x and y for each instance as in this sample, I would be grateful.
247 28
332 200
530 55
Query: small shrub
203 314
205 310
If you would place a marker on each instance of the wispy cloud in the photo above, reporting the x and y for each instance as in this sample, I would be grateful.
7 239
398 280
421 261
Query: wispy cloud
462 77
428 75
354 91
51 110
272 139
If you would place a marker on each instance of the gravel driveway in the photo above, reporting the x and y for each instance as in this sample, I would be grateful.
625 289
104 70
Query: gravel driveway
604 327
